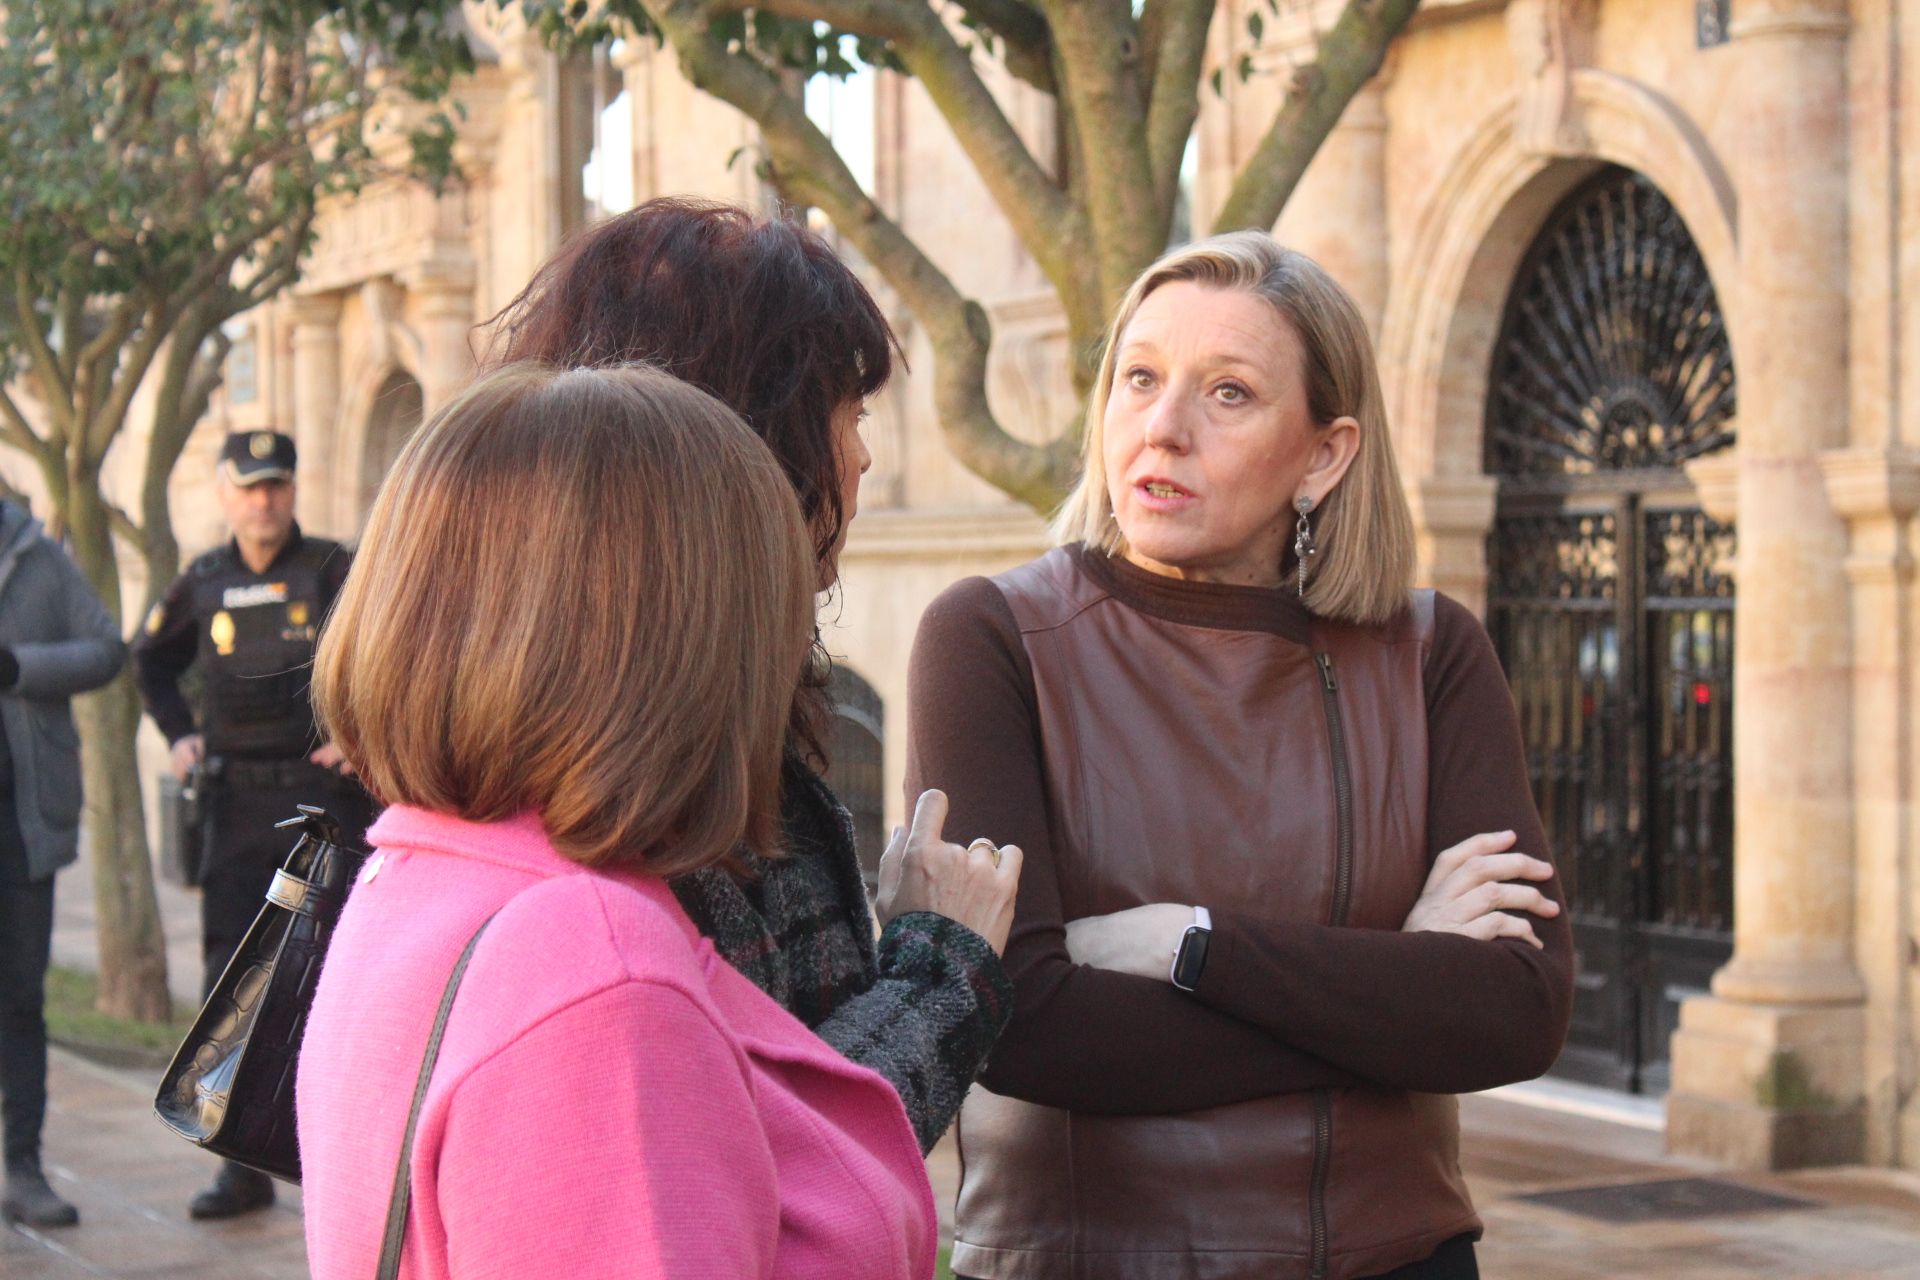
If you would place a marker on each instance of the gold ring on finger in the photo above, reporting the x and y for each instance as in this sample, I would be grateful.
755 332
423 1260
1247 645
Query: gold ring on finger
993 850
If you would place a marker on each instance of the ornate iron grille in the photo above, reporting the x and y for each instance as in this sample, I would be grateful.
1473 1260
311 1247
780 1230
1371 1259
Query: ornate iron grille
1689 610
1555 621
1611 604
1614 354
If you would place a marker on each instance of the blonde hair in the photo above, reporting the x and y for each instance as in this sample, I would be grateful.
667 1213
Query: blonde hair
587 594
1364 529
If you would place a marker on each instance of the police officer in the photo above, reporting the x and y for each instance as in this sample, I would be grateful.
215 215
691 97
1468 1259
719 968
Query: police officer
249 612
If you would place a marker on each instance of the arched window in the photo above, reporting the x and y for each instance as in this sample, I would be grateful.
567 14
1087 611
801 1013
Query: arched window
1610 600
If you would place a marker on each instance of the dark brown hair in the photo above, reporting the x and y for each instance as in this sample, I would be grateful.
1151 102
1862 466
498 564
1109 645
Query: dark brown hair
759 312
493 651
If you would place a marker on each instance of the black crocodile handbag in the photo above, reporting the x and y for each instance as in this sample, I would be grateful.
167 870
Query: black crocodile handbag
230 1086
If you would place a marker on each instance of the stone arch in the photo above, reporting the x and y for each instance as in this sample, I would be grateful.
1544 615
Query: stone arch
398 409
856 768
1470 240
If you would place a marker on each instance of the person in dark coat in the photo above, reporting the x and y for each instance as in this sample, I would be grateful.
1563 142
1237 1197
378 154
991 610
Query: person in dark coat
249 613
56 640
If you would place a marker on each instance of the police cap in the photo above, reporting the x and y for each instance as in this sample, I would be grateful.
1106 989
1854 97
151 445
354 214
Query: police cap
248 457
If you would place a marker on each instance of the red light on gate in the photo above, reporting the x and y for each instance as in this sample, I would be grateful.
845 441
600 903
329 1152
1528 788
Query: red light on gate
1702 694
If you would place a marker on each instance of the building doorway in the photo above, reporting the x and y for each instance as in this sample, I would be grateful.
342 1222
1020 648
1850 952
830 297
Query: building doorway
1610 601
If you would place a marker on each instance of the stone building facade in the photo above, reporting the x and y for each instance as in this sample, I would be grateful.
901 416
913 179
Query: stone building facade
1638 272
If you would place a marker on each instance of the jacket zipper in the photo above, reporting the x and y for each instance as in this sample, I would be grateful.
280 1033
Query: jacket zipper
1342 792
1317 1196
1342 895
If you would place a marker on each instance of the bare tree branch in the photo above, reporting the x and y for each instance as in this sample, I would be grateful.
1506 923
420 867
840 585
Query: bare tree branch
40 354
1022 188
1022 29
803 163
123 526
99 360
20 433
99 355
278 268
110 413
1350 55
70 310
1174 34
193 368
1098 60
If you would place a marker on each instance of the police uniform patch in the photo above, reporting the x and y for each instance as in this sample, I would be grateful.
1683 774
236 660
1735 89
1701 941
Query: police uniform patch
220 631
261 446
252 594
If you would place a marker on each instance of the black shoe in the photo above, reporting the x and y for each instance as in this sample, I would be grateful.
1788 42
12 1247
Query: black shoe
30 1202
235 1191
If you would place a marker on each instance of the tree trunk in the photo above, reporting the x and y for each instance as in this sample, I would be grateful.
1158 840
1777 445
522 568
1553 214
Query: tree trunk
133 952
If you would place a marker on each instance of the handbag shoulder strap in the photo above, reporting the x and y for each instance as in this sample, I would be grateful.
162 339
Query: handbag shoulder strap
402 1181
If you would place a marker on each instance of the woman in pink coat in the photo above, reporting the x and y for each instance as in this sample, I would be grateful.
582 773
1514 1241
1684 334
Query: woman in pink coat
610 1097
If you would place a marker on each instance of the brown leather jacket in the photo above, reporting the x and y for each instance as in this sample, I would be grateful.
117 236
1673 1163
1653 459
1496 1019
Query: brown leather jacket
1332 1182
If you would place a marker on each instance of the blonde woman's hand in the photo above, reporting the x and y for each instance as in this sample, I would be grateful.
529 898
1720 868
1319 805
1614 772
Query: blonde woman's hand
922 871
1467 893
1140 940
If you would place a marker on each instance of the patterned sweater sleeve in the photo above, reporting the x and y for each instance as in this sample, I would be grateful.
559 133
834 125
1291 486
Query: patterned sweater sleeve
938 1001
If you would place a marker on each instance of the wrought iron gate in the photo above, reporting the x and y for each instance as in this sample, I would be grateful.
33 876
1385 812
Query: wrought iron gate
1611 604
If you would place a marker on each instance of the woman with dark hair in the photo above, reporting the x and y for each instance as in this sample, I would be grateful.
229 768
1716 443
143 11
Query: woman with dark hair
762 314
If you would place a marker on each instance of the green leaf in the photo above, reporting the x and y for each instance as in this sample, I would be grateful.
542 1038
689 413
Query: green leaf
1256 25
1214 80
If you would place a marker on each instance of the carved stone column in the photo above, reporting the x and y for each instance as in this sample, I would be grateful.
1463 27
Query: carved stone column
316 404
1767 1070
441 306
1451 517
1877 492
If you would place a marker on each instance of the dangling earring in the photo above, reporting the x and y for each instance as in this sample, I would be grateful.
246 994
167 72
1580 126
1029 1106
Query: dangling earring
1303 547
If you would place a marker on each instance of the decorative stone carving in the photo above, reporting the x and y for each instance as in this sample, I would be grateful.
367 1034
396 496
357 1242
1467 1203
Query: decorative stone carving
390 341
1550 39
1027 379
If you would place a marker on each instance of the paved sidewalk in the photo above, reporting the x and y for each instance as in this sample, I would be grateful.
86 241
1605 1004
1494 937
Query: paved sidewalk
131 1180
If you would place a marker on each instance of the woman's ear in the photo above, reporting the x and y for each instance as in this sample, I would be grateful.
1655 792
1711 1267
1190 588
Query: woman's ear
1333 453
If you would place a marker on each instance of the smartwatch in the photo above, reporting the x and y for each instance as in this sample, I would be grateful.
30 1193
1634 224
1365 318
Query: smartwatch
1190 957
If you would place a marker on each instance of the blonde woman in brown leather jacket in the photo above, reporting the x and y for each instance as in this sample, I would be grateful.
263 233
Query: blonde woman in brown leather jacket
1285 887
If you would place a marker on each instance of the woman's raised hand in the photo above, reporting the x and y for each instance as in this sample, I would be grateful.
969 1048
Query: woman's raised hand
1466 891
974 884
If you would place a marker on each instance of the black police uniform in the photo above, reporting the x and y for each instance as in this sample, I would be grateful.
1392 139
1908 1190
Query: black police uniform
253 634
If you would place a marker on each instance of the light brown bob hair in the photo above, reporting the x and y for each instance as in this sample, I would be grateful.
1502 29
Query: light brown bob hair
1364 529
586 594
